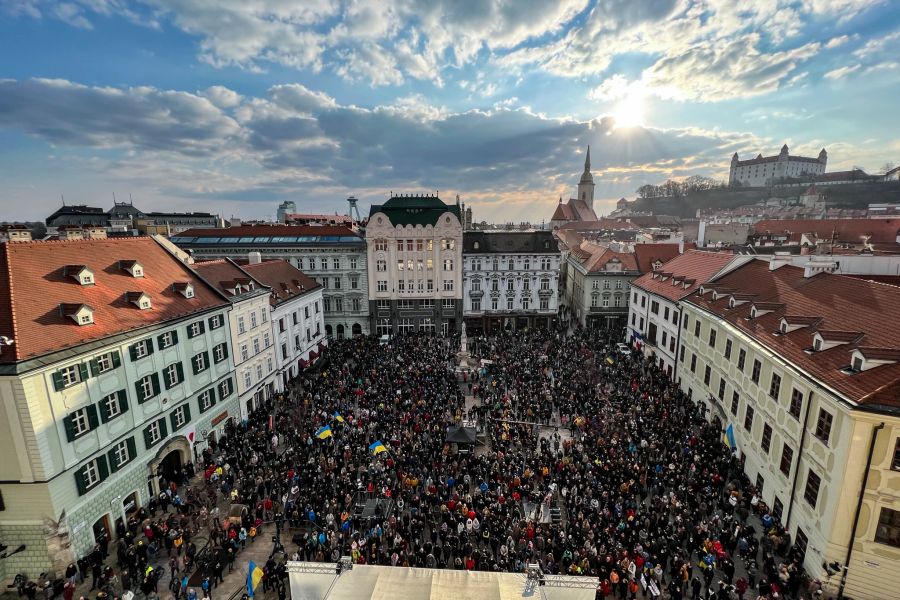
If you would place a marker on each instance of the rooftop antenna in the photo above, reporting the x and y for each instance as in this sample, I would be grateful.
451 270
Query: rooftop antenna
114 198
63 199
130 200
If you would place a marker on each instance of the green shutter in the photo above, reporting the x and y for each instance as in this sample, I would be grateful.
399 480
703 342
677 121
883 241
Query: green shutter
132 353
174 336
79 482
155 378
225 348
104 411
70 428
93 422
102 469
138 389
147 443
95 367
162 429
149 347
187 413
83 369
194 365
116 359
123 401
159 341
57 381
206 359
111 459
131 450
180 369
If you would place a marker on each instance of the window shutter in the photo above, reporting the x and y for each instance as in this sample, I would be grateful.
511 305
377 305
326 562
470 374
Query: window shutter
159 341
149 347
132 453
83 370
70 428
174 337
155 379
123 401
202 327
79 482
116 359
173 421
111 458
147 443
180 369
194 365
93 422
104 411
132 353
162 429
95 367
101 467
206 359
225 348
187 413
57 381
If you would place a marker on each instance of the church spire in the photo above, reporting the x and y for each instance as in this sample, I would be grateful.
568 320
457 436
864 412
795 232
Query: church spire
587 160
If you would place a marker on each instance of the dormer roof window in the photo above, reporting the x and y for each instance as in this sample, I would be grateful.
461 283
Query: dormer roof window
827 339
139 299
82 314
865 358
133 267
758 309
185 288
79 273
791 323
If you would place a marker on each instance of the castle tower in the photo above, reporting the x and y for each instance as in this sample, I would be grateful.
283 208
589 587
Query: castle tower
586 184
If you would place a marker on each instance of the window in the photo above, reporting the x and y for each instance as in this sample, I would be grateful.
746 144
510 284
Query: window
448 264
154 433
174 374
722 389
654 305
665 312
787 458
206 400
267 341
697 328
338 304
742 358
419 245
680 353
427 304
281 325
196 328
448 285
200 362
69 376
225 389
448 304
510 285
526 303
707 375
526 264
381 245
545 284
811 492
888 531
216 321
727 349
323 262
91 474
760 483
248 378
255 345
253 323
381 265
140 349
354 283
121 454
241 327
735 401
777 508
245 354
495 303
147 387
823 425
895 464
409 245
382 285
509 304
748 418
796 403
693 363
775 386
448 244
113 405
335 263
404 304
80 422
757 367
337 283
766 438
105 362
180 416
167 339
712 338
476 305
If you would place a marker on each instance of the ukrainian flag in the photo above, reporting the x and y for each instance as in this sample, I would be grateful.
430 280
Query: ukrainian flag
254 576
338 417
377 448
323 432
728 437
609 360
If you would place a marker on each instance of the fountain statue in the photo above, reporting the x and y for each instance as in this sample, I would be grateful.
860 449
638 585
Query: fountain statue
463 355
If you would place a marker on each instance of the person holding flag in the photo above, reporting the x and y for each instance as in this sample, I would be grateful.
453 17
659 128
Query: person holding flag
323 432
377 447
254 576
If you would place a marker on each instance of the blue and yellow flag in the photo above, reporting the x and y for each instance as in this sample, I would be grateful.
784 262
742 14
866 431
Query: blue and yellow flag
338 417
323 432
377 447
728 437
254 576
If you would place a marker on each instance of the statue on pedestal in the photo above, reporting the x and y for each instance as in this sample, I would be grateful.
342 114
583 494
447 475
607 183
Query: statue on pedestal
463 355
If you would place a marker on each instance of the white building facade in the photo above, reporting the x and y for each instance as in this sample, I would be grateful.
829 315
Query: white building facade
510 280
414 246
764 170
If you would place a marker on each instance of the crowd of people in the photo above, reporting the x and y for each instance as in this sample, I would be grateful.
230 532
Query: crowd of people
591 463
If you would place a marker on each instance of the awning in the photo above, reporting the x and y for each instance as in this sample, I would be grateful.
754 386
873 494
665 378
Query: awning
461 435
313 355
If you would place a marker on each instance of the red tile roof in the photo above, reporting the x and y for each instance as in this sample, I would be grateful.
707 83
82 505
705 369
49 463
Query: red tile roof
647 254
594 258
562 213
845 305
693 267
597 225
845 230
222 274
33 287
277 230
287 281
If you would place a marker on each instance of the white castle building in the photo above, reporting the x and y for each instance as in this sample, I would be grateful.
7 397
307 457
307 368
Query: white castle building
762 170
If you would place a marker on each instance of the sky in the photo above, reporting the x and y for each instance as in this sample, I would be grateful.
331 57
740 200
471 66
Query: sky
232 106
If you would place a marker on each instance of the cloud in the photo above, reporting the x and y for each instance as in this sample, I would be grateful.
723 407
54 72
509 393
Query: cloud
841 72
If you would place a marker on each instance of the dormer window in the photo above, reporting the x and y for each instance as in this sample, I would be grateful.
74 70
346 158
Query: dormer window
80 273
858 363
186 289
139 299
82 314
817 345
132 267
867 358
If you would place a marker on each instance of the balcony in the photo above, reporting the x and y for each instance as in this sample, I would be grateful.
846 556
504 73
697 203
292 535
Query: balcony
545 293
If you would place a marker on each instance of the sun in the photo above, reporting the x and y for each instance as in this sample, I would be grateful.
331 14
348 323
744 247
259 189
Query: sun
629 112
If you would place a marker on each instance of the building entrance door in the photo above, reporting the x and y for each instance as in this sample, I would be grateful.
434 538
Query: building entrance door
102 528
170 466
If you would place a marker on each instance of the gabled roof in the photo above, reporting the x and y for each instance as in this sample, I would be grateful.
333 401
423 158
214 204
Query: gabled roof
414 210
33 286
508 242
562 213
224 274
594 258
647 254
859 312
693 268
844 230
287 281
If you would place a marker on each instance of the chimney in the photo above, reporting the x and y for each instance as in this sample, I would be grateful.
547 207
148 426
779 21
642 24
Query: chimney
779 259
254 258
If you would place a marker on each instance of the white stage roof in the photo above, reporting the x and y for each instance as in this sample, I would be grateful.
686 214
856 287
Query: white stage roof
318 581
